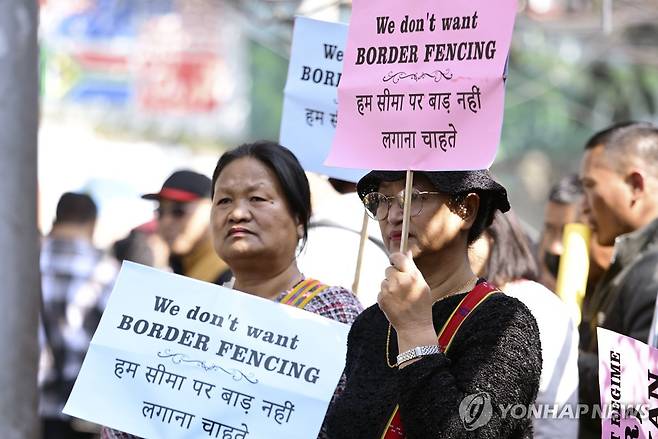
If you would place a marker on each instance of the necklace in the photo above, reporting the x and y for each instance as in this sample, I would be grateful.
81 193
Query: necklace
467 286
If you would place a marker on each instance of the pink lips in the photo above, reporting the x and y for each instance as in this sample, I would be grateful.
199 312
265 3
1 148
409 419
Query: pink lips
395 236
238 231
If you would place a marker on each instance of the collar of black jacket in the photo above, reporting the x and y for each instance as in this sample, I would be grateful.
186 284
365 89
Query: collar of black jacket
631 245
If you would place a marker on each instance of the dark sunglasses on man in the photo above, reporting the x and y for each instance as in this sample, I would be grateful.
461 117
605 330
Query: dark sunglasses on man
176 210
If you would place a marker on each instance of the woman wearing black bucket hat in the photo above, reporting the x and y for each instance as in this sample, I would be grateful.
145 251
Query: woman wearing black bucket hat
443 354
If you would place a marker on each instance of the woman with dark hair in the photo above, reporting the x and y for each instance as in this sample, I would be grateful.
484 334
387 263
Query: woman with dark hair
444 353
503 255
261 209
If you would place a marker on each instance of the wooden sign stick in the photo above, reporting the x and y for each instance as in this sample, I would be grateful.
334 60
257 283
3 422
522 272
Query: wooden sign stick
408 188
359 258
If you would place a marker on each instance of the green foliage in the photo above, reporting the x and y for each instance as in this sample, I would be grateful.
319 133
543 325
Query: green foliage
555 102
268 74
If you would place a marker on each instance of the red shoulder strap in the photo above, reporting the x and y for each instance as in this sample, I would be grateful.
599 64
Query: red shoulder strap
468 304
394 428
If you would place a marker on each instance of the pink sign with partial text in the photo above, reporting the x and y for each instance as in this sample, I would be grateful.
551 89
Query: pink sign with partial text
628 382
422 85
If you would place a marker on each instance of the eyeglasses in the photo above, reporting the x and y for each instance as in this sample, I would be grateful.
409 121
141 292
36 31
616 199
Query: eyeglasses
177 211
377 204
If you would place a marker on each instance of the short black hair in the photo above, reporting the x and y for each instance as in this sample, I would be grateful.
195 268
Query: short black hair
286 167
628 139
75 208
134 248
510 257
567 190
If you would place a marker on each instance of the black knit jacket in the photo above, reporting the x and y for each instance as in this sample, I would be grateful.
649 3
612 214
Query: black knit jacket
496 350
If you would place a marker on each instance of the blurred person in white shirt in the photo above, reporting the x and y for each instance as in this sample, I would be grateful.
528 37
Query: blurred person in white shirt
502 254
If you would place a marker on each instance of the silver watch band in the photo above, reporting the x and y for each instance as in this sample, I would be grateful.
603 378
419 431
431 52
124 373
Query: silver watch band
416 352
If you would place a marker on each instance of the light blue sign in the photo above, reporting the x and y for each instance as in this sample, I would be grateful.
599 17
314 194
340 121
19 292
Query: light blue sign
310 106
178 358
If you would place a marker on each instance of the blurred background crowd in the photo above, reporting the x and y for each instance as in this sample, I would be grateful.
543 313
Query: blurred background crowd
174 83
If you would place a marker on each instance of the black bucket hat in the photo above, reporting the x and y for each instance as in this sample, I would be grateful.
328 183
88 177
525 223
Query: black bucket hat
449 182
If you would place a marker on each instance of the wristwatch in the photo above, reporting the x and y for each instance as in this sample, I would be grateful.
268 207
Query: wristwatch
416 352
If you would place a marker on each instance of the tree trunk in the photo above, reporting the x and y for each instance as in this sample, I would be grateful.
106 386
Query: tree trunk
19 244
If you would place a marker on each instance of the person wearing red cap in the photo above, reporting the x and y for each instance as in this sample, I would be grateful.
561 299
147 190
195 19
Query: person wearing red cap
183 212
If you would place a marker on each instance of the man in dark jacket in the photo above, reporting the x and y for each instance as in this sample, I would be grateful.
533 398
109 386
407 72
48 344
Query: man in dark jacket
619 173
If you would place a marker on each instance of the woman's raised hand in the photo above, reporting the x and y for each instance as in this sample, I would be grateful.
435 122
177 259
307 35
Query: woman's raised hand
405 297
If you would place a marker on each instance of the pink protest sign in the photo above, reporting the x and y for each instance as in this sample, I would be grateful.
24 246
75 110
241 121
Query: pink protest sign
628 381
422 85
